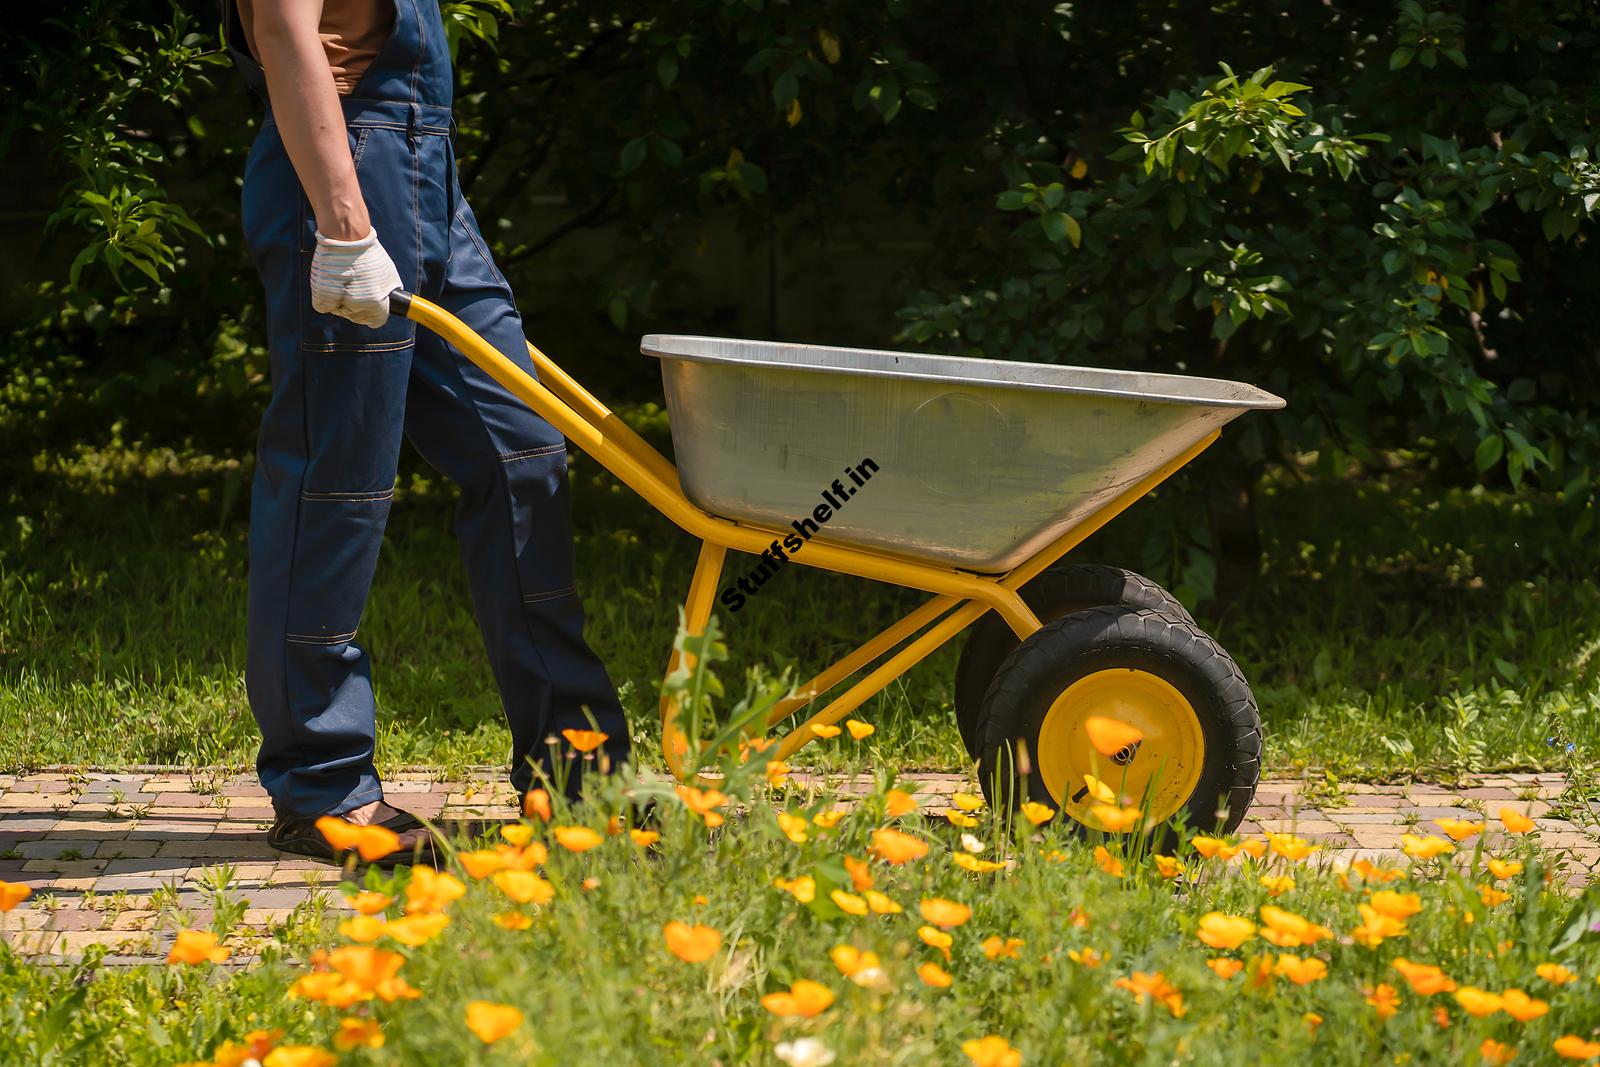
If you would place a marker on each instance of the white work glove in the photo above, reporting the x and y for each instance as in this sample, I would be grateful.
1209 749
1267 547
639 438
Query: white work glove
353 279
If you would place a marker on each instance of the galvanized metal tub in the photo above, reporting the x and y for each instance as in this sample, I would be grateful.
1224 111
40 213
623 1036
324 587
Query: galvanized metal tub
980 462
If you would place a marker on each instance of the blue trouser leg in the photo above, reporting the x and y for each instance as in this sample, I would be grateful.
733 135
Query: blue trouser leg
513 519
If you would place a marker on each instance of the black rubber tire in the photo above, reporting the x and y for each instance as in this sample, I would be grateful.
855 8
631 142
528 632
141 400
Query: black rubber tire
1175 649
1057 591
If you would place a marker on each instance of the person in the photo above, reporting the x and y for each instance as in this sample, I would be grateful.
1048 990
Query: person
350 193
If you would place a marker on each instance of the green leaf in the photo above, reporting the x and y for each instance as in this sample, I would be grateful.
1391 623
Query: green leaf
1177 209
1489 451
633 154
1074 231
667 68
1400 57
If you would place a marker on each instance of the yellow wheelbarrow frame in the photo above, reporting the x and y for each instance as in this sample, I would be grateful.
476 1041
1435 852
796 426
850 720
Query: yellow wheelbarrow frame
960 597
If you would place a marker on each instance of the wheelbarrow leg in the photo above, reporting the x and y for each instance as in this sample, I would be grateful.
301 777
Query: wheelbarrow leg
696 612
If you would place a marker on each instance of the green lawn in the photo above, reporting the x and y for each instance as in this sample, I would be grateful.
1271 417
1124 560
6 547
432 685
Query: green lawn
1394 629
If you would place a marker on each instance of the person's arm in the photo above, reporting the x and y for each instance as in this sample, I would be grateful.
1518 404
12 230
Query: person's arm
351 274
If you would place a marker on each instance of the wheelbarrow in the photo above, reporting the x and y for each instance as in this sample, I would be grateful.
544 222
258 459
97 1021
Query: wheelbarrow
967 479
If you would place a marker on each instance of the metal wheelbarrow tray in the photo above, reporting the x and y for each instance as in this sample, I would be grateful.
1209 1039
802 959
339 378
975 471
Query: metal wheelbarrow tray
982 475
981 462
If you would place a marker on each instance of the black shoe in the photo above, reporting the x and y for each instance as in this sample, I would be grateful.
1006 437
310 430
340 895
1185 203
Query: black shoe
299 835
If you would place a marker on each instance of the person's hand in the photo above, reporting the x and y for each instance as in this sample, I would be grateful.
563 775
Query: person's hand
353 279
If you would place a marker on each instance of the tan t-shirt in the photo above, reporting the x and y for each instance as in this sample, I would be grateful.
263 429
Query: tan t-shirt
352 32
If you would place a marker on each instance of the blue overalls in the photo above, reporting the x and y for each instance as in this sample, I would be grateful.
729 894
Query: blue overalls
342 394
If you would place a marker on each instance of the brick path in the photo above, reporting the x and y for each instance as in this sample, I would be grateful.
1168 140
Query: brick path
125 859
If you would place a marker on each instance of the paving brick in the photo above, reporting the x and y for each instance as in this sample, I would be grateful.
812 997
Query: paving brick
56 847
102 829
76 919
65 868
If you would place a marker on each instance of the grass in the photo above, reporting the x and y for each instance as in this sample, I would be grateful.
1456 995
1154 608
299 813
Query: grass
1395 629
1048 951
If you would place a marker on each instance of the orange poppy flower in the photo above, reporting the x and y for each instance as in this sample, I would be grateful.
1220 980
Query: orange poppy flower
1555 973
1573 1047
429 890
1155 986
358 1033
1479 1002
860 873
703 802
934 975
1504 869
524 887
1394 905
691 944
777 772
1522 1007
1213 847
1425 979
369 842
12 894
881 904
363 929
1277 885
1301 970
1288 930
536 805
827 820
898 802
1495 1053
1491 896
944 913
1112 865
197 946
576 838
644 838
364 965
369 903
415 930
936 938
1459 829
1373 873
483 863
996 948
826 732
852 961
1168 866
803 1000
513 920
491 1022
1425 848
1517 823
849 903
299 1056
896 846
1291 847
991 1051
1375 927
859 730
1225 968
1109 736
803 889
1224 931
1114 819
1385 999
585 740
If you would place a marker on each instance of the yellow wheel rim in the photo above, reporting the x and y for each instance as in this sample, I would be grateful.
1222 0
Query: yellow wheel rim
1160 774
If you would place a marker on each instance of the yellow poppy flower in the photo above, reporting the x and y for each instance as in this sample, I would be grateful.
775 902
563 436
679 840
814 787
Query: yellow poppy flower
827 820
826 732
859 730
1573 1047
936 938
299 1056
967 861
363 929
517 833
1099 791
430 890
1425 979
1288 930
1167 866
934 975
369 903
1504 869
524 887
1107 862
644 838
1036 813
1478 1002
1522 1007
513 920
1301 970
1399 906
1492 897
1225 968
1277 885
997 948
415 930
1555 973
1459 829
1114 819
881 904
481 864
851 961
793 826
1425 848
898 802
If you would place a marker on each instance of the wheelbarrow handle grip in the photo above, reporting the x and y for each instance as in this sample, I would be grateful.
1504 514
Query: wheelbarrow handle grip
400 303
